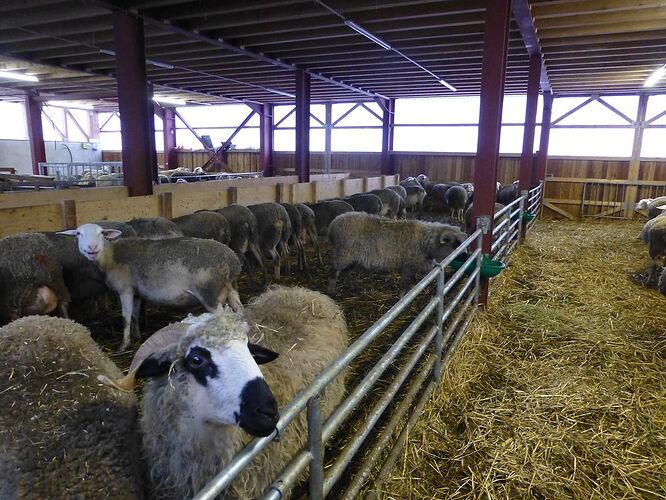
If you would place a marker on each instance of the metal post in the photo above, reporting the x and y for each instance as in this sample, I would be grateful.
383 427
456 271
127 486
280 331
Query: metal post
522 228
33 113
93 122
635 163
525 178
495 48
437 366
328 130
169 136
133 103
388 119
316 447
266 140
302 157
542 158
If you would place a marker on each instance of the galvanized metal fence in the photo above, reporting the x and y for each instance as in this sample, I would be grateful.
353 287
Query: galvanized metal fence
432 336
534 203
506 229
74 171
609 198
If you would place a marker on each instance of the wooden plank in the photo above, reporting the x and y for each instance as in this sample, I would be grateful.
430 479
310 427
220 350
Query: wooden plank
166 205
302 193
130 208
25 219
55 196
353 186
68 214
255 194
558 210
326 190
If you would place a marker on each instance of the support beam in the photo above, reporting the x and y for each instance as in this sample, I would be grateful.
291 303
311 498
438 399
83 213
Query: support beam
302 157
133 104
169 136
266 140
525 21
33 113
635 163
388 120
542 155
526 160
495 49
328 131
93 122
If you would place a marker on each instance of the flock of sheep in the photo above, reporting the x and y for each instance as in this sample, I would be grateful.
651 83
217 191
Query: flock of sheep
62 433
654 236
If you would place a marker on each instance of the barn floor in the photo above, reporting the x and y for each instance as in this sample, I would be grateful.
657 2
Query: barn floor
559 390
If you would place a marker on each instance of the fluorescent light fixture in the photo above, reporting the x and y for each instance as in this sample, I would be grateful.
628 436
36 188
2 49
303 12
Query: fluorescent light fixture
69 104
368 35
654 78
169 100
448 85
18 76
149 61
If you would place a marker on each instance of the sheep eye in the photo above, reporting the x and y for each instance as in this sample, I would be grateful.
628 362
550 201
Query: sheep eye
78 233
195 361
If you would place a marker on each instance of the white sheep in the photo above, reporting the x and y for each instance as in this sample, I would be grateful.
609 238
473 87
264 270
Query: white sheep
176 272
203 386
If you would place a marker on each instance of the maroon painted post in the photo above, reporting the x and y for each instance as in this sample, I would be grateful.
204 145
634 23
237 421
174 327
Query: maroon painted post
525 179
33 113
169 137
133 104
495 48
150 112
542 158
266 140
388 120
302 157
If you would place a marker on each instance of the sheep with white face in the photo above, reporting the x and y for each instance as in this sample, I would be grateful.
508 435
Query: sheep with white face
177 272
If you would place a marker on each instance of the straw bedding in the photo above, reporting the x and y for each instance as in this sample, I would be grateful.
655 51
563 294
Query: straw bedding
558 391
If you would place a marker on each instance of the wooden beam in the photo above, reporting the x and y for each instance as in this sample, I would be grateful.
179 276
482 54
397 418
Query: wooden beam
600 29
573 7
558 210
635 162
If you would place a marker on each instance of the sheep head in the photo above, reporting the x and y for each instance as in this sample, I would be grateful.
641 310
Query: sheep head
92 239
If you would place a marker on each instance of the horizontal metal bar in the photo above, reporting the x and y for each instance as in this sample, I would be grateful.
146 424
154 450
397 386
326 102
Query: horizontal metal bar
505 209
498 227
498 241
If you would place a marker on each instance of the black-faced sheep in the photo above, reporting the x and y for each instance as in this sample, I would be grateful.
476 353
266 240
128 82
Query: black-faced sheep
243 226
507 194
380 245
177 272
205 224
309 227
456 200
326 211
202 387
415 197
273 231
470 225
155 228
366 202
435 200
31 277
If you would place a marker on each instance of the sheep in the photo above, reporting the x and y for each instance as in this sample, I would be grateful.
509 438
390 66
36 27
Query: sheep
155 228
202 389
507 194
243 226
177 272
651 205
410 181
31 277
415 197
309 227
423 180
435 200
274 231
400 190
298 235
654 236
662 282
390 202
62 433
366 202
327 211
381 245
205 224
470 223
456 199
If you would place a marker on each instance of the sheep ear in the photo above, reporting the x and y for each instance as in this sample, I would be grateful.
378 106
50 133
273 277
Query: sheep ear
111 234
260 354
154 365
663 207
69 232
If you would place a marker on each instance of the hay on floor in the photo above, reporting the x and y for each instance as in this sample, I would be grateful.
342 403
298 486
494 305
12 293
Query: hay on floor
559 391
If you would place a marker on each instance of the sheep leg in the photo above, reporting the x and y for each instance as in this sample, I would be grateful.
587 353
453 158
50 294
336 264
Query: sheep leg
332 280
315 241
260 261
233 299
301 250
275 257
139 317
127 306
284 257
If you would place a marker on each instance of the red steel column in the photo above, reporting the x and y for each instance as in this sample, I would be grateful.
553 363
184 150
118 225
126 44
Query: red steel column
133 104
526 160
495 47
388 120
266 140
302 157
169 135
542 156
33 114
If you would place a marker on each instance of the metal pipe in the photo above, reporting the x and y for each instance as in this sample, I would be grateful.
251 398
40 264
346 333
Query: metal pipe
437 368
316 447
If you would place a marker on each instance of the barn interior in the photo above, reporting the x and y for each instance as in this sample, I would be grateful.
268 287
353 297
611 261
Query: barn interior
541 380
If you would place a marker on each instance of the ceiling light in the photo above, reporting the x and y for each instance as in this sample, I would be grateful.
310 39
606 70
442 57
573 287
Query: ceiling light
18 76
448 85
654 78
169 100
368 35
